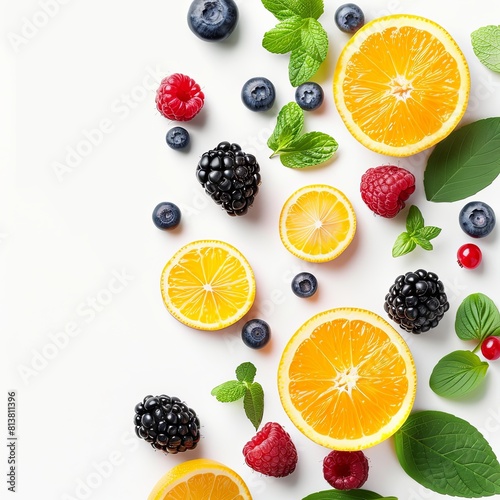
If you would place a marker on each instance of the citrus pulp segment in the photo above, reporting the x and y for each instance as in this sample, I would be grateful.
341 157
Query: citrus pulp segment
208 285
200 479
347 379
317 223
401 84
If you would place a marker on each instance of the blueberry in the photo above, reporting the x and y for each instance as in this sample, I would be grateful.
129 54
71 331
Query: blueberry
477 219
255 333
309 96
166 215
349 18
304 285
212 20
177 138
258 94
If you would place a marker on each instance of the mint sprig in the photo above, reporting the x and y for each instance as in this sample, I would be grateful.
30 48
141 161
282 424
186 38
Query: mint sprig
417 233
460 373
299 150
243 387
299 33
486 46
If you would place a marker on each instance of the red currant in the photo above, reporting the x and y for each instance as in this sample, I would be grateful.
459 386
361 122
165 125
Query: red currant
469 256
491 348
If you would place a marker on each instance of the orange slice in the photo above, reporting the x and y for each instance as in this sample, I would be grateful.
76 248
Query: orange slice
401 84
200 479
208 285
317 223
347 379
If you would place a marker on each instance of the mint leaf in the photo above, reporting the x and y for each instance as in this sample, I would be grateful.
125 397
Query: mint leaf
457 374
246 372
447 455
346 495
414 220
282 9
309 149
229 391
289 125
486 46
295 150
465 162
253 403
416 234
403 245
285 37
477 317
299 33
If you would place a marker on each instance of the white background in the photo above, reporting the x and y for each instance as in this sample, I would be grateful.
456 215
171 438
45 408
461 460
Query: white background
63 237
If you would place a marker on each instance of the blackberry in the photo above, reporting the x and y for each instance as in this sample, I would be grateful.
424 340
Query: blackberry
416 301
230 176
167 423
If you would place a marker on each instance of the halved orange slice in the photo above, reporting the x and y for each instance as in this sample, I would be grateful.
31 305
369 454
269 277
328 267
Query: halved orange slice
317 223
401 84
208 285
200 479
347 379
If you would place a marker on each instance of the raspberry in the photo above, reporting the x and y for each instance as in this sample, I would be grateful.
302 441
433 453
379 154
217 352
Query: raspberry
179 98
271 451
345 470
385 189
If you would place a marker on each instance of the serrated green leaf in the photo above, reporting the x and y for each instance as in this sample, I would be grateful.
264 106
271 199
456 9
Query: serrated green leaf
486 46
253 403
447 455
356 494
302 66
284 37
403 245
422 242
429 232
282 9
314 39
246 372
467 161
477 317
309 149
229 391
414 220
457 374
289 125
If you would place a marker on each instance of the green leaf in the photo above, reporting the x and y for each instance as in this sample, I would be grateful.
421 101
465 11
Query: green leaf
447 455
284 37
309 149
457 374
246 372
346 495
477 317
429 232
289 125
282 9
253 403
302 66
422 242
486 46
414 220
229 391
465 162
404 244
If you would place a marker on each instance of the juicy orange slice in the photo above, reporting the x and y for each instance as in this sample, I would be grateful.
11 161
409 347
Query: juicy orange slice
208 285
200 479
317 223
401 84
347 379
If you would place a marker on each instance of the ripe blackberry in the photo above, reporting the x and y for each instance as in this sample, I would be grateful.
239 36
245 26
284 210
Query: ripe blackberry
416 301
167 423
230 176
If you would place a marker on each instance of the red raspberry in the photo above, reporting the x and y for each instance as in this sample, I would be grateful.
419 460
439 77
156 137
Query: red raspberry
385 189
271 451
179 98
345 470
